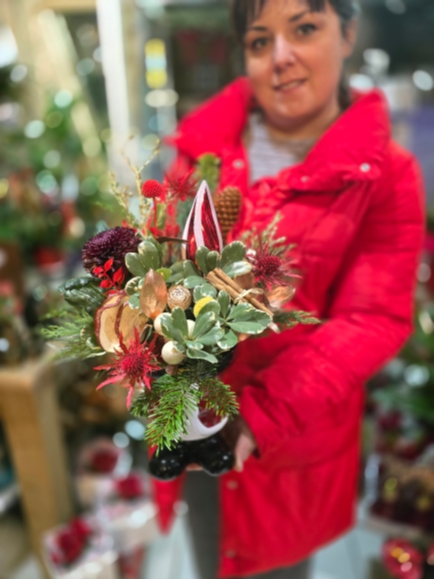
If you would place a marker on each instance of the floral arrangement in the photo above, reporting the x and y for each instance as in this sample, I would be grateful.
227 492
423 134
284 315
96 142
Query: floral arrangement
169 301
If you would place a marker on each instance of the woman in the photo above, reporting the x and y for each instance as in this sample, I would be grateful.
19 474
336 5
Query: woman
295 142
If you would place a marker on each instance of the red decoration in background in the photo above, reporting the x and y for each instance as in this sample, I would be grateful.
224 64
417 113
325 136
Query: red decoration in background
130 487
131 564
202 227
104 460
402 560
70 542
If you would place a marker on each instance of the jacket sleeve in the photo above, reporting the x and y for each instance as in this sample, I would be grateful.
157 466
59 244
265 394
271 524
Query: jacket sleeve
368 321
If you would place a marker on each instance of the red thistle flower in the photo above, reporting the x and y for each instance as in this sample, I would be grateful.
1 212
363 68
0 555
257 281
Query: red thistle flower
271 266
132 365
151 189
181 188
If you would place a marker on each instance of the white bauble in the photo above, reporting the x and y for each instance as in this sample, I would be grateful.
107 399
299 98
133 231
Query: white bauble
157 325
171 354
190 324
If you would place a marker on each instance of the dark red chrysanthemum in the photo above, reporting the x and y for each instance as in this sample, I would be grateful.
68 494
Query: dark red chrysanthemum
132 365
151 189
104 254
181 188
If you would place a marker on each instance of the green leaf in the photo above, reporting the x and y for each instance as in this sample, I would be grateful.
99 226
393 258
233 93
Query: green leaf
149 255
212 260
134 301
180 321
201 355
247 327
194 280
177 267
170 330
229 341
224 300
233 252
134 285
246 319
237 268
190 269
175 278
194 345
201 255
213 306
158 246
204 290
205 321
212 337
135 265
165 272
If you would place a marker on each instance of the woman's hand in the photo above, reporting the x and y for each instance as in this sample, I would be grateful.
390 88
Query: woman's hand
240 438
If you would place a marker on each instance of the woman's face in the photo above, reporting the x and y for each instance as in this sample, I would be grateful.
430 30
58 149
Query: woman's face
294 59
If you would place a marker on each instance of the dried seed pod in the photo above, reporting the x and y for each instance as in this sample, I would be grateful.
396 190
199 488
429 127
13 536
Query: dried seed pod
227 205
179 297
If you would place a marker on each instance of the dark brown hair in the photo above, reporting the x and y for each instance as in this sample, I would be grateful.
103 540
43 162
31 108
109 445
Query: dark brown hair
244 11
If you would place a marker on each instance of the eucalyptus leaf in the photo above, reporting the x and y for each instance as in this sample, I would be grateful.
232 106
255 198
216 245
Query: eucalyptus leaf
237 268
134 265
175 278
212 337
229 341
194 345
170 330
201 355
204 322
157 245
201 255
190 269
149 255
180 321
134 301
194 280
247 327
212 260
165 272
212 306
224 299
235 251
134 285
177 267
204 290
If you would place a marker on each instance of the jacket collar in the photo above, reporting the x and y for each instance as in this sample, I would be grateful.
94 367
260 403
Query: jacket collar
352 149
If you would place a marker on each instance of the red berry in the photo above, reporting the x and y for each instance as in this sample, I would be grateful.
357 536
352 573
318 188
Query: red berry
152 189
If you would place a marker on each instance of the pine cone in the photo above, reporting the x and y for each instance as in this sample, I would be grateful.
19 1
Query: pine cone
227 205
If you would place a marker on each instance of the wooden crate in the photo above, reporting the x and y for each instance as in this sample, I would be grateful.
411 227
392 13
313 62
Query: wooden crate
28 410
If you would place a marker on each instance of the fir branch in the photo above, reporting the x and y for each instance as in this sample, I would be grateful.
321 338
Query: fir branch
77 331
172 397
292 318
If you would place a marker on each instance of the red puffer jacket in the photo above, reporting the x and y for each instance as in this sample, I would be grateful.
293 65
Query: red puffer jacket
354 208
